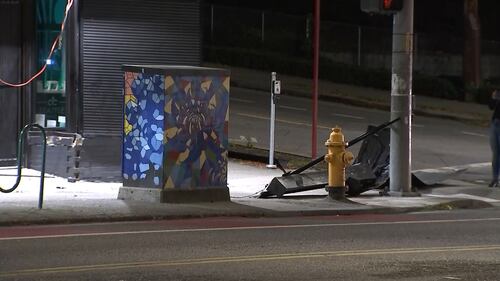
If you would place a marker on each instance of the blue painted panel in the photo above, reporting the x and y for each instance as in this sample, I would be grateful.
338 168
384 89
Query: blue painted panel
143 130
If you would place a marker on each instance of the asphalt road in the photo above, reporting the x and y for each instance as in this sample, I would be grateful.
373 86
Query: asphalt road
459 245
435 142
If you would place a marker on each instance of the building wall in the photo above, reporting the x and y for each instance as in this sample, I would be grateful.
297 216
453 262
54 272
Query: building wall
10 70
117 32
113 33
103 36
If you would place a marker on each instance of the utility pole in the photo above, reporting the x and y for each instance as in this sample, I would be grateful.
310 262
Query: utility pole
401 99
472 49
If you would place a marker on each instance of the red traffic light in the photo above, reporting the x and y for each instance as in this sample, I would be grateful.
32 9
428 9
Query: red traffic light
387 4
384 7
392 5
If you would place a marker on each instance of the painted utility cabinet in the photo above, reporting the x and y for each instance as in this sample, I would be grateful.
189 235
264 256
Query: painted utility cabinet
175 137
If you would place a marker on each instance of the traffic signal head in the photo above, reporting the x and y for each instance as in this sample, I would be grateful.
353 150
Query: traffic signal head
392 5
381 6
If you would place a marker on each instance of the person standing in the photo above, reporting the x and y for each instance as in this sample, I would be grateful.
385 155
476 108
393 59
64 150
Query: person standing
495 137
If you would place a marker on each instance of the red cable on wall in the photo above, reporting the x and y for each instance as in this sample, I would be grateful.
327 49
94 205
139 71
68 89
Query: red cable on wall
56 40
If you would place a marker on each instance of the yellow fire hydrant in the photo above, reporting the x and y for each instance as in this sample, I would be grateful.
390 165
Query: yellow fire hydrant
338 159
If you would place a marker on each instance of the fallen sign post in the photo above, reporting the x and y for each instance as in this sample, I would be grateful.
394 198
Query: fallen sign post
349 144
370 169
294 181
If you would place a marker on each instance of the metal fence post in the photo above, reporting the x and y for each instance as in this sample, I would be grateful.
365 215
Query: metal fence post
212 23
359 45
415 48
263 19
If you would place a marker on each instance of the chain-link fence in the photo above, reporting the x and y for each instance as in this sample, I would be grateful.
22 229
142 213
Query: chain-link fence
291 35
490 47
438 44
253 29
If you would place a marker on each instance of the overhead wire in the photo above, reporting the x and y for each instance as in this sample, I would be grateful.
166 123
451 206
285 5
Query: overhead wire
57 41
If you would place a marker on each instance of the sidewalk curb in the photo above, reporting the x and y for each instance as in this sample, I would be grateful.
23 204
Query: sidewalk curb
260 213
257 212
461 204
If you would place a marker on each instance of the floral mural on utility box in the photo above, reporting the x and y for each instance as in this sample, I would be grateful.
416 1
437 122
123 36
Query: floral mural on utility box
176 130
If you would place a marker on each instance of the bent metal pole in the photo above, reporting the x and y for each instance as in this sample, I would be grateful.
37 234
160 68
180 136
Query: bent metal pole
315 71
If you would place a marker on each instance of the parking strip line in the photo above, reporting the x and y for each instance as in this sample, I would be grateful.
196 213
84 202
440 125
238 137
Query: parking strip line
473 134
292 108
242 100
348 116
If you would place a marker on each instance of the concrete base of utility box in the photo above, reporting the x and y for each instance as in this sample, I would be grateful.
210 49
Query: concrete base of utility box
174 195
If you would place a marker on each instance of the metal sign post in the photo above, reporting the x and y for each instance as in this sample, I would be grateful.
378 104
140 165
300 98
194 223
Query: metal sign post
275 92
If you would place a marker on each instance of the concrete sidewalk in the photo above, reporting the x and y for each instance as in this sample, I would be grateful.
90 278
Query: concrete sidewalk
66 202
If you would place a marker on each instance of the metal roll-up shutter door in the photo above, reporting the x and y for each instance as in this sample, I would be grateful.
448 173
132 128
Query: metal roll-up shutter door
116 32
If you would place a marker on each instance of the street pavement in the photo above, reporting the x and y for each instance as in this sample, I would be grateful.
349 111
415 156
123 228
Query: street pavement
85 201
359 96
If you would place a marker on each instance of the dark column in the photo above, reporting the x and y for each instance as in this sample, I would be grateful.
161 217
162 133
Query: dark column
472 49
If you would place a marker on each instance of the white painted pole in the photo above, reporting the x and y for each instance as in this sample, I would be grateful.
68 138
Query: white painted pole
271 125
